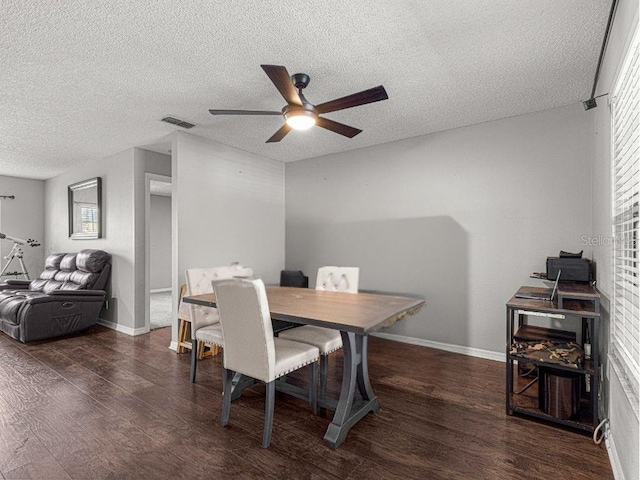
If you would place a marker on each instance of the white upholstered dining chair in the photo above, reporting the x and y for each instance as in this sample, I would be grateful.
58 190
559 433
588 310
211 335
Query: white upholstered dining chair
251 349
332 279
205 321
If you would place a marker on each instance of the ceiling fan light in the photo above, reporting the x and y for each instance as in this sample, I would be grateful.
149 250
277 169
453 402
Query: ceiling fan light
301 120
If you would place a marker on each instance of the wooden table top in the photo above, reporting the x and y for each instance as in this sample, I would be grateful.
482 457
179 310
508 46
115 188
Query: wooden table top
359 313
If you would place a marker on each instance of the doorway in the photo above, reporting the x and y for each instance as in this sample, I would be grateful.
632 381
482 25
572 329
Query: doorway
158 281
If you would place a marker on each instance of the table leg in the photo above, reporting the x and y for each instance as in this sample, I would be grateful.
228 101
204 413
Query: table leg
364 385
355 373
239 383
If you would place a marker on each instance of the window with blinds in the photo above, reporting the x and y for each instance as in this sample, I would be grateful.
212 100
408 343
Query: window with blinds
625 314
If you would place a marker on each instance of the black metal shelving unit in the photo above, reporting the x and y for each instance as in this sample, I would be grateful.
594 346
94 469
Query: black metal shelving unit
574 300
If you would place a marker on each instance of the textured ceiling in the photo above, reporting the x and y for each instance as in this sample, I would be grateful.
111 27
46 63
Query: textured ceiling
81 80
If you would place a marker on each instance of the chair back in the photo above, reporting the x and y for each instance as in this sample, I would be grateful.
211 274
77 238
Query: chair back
338 279
246 326
199 282
293 278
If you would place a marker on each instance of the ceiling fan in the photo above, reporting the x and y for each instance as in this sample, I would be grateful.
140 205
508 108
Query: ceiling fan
299 114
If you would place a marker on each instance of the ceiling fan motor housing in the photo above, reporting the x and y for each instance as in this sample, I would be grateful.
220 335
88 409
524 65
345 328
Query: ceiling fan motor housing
300 80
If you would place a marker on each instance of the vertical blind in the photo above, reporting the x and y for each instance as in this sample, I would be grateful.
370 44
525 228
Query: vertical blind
625 314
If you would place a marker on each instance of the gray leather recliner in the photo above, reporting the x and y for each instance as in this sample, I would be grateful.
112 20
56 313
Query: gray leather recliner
65 298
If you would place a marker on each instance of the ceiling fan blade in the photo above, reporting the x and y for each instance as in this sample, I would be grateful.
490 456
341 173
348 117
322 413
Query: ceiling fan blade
282 80
243 112
280 134
340 128
374 94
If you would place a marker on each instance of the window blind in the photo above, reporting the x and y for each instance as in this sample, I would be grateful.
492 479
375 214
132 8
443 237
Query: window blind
625 314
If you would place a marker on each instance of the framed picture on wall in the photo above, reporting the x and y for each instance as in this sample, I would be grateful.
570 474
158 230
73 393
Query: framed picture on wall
85 209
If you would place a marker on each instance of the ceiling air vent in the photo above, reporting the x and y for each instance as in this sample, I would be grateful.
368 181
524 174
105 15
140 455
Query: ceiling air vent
180 123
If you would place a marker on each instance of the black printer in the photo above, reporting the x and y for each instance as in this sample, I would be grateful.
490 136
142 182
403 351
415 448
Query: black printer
574 268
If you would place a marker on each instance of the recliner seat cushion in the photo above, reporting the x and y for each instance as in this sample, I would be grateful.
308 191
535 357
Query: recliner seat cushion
52 285
38 284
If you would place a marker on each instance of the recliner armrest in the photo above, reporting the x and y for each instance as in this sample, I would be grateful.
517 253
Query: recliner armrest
78 293
58 296
17 283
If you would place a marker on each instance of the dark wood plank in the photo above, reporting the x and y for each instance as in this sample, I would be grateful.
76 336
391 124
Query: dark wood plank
46 468
106 405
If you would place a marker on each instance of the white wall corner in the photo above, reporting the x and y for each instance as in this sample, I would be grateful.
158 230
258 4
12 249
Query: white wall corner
121 328
616 466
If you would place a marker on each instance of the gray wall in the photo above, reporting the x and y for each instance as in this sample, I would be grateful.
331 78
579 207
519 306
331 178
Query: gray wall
23 217
461 217
623 422
228 206
123 191
117 175
160 241
144 162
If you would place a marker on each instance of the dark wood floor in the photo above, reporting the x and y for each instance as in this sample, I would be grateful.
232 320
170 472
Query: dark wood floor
106 405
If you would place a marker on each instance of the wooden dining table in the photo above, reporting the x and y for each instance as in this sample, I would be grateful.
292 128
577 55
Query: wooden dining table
355 316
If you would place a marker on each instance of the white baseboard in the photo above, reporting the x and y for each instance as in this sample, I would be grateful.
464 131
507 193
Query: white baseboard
159 290
472 352
173 346
616 466
121 328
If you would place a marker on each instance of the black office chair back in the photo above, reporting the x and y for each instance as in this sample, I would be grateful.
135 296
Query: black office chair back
289 278
293 278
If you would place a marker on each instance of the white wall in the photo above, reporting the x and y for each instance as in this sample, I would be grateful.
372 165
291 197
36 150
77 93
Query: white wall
23 217
228 206
461 217
117 176
160 241
624 425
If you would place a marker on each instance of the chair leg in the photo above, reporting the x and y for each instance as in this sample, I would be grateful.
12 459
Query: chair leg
313 387
227 379
194 359
269 402
324 373
181 331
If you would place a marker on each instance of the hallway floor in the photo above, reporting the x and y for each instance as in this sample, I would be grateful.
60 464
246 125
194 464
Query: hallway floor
161 311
